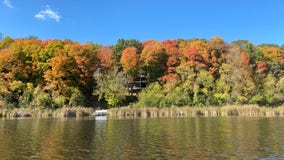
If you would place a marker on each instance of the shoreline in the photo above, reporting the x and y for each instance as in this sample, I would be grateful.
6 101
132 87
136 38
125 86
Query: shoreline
148 112
46 113
230 110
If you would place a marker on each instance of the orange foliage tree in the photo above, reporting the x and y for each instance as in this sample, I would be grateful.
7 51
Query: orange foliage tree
86 61
130 61
106 58
217 50
154 60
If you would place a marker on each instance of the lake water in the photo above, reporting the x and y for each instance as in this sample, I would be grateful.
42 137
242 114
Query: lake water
153 138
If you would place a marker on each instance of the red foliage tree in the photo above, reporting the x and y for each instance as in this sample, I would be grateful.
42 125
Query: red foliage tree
262 68
193 57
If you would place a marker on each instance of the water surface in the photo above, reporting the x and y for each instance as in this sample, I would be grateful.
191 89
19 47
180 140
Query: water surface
153 138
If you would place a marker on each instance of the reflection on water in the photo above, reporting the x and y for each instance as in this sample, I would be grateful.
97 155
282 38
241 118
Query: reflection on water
157 138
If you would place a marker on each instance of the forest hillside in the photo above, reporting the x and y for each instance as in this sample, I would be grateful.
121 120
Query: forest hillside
195 72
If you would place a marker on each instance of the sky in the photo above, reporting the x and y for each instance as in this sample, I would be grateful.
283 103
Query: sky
105 21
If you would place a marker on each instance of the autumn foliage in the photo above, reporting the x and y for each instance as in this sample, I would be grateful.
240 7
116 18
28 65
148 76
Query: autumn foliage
130 61
106 58
57 73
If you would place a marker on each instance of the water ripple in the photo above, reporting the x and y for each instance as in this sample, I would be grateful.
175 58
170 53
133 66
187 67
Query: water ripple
160 138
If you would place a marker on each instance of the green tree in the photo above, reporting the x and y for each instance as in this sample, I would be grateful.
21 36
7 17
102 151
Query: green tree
224 85
41 99
16 89
177 97
237 77
270 90
111 87
206 82
280 90
152 96
27 97
272 93
74 97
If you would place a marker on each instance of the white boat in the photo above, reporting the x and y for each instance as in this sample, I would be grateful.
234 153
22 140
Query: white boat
102 112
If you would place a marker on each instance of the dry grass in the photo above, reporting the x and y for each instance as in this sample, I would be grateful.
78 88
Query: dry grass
16 112
134 112
73 112
62 112
233 110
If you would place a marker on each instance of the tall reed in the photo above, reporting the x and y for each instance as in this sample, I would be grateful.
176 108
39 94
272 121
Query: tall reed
36 112
231 110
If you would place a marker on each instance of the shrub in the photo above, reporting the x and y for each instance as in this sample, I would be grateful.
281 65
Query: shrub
151 96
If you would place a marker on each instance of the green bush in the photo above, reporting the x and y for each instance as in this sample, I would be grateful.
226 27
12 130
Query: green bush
60 101
151 96
177 97
43 100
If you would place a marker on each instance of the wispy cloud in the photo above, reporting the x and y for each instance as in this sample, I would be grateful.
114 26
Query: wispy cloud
48 13
8 3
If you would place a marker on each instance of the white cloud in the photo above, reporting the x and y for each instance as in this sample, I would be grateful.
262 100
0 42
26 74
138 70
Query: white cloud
8 4
48 13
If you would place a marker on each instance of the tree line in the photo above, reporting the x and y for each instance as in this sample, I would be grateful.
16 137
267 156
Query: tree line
194 72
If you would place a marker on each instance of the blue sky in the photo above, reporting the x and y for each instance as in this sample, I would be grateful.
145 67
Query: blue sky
105 21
